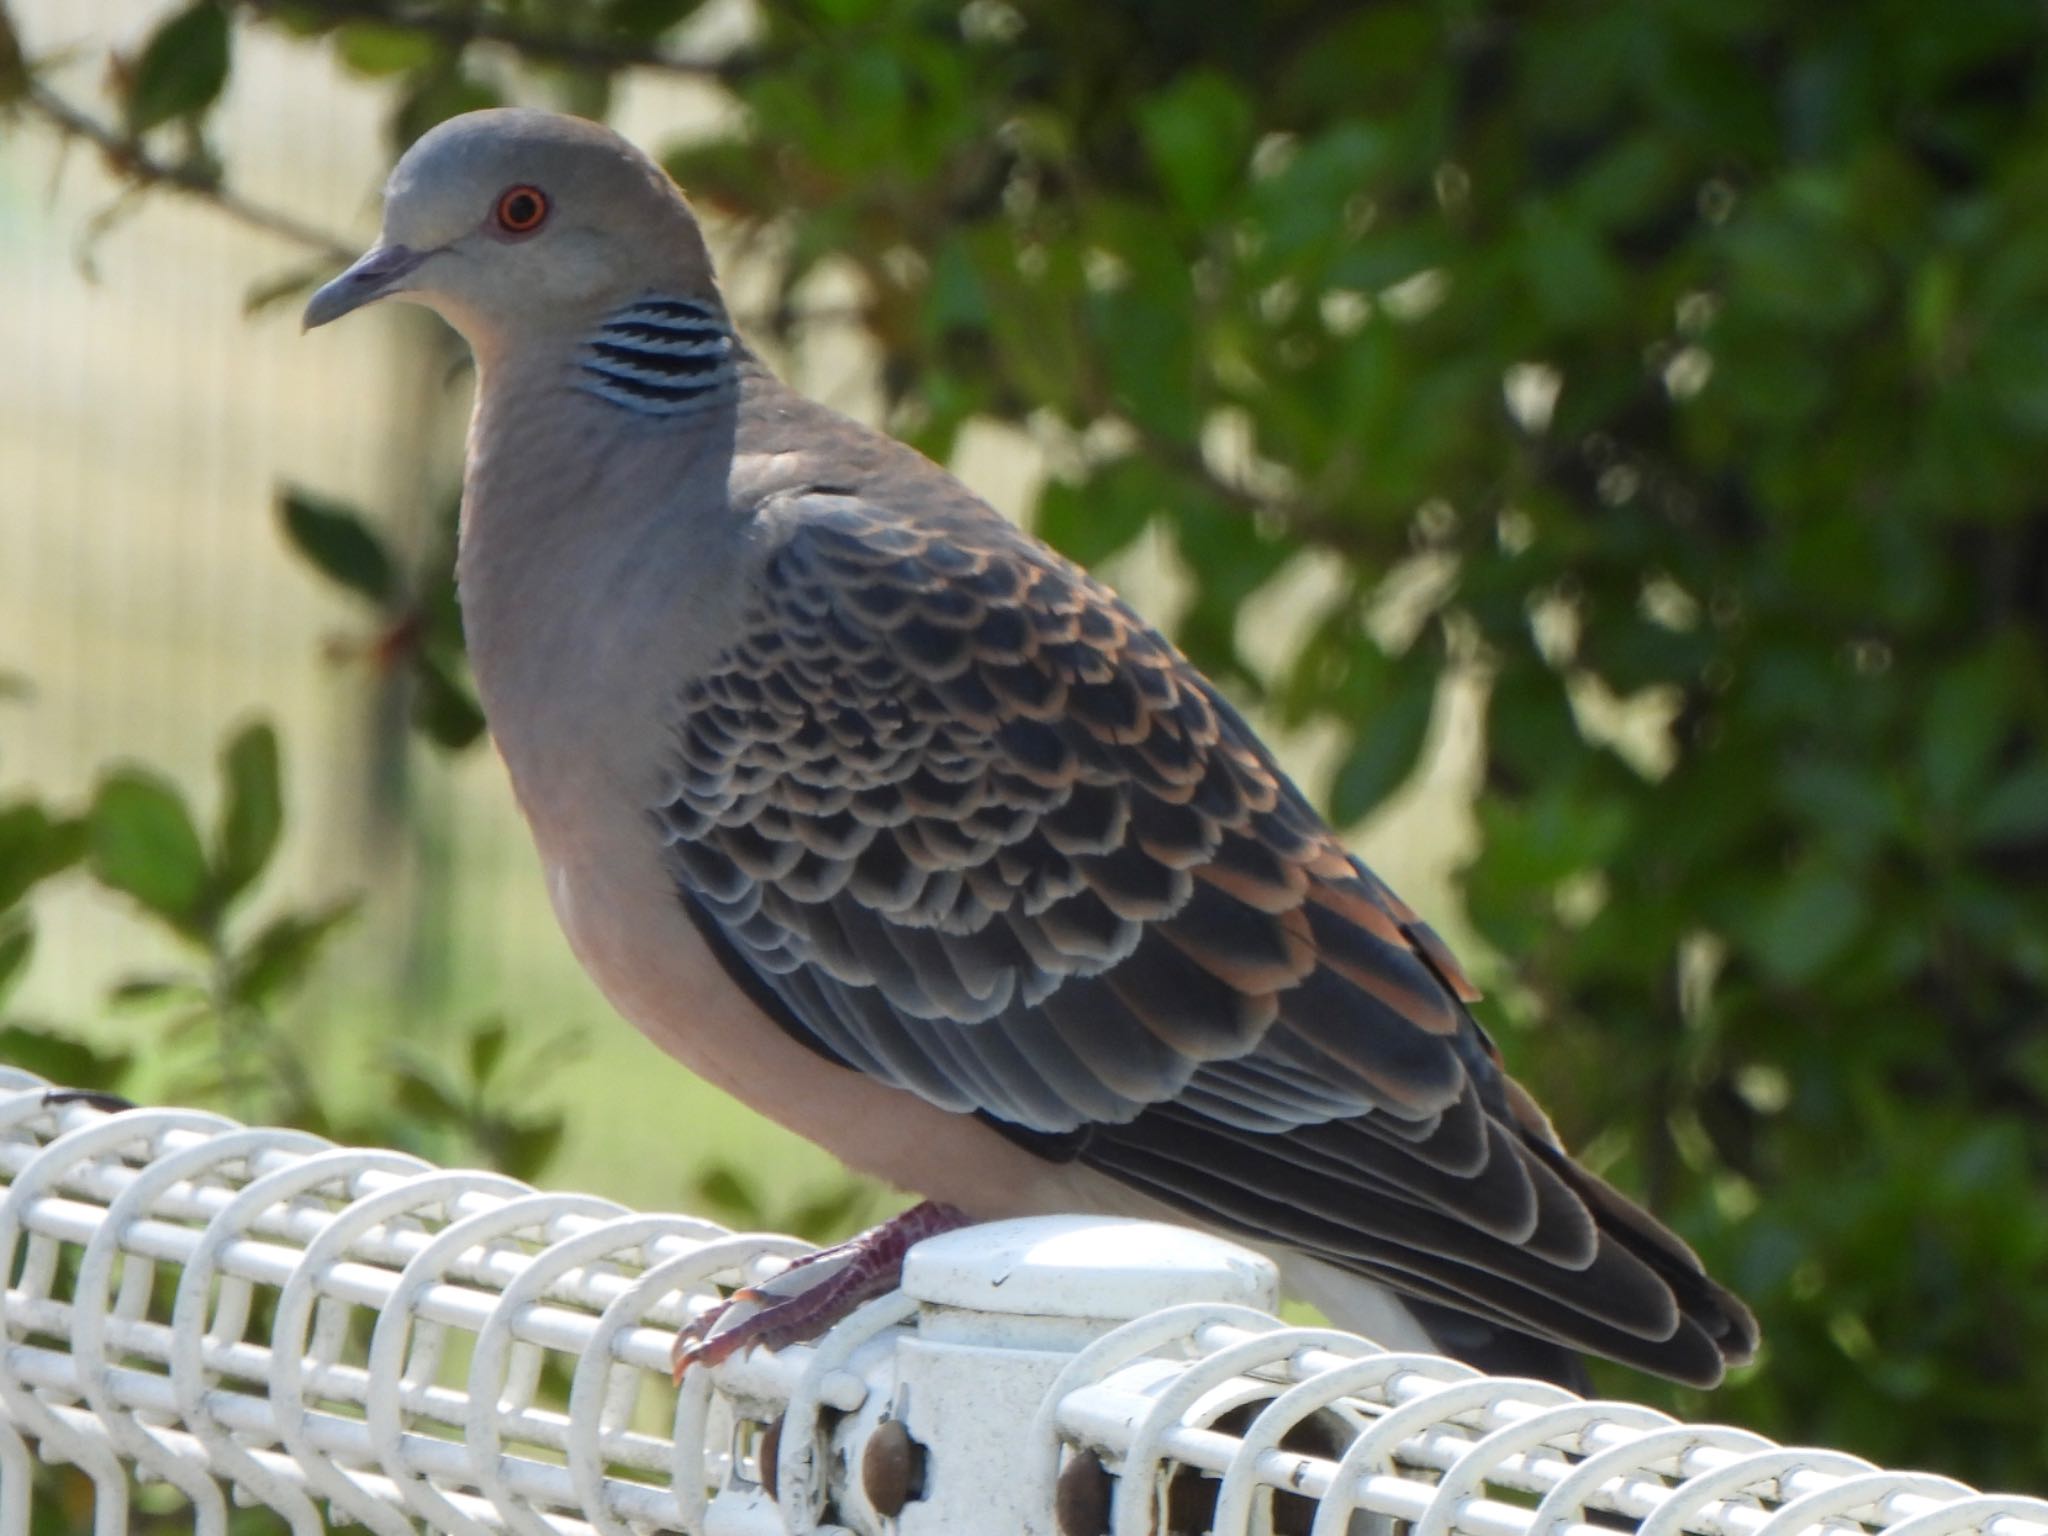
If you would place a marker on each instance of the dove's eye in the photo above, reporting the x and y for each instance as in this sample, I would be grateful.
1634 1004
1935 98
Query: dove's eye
522 210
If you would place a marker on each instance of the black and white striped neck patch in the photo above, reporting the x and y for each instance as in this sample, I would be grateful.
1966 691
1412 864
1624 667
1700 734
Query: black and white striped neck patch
658 356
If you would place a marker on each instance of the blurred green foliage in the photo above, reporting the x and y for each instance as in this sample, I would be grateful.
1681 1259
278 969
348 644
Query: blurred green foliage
1684 363
418 626
225 1026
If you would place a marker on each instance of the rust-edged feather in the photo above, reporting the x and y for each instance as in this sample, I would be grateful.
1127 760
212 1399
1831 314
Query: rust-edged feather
968 824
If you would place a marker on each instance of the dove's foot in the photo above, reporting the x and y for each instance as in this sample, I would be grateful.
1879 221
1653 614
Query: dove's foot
778 1312
92 1098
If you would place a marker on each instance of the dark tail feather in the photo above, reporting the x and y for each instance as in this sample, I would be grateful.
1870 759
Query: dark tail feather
1496 1350
1717 1311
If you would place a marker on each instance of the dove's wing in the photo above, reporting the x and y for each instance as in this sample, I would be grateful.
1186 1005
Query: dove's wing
962 821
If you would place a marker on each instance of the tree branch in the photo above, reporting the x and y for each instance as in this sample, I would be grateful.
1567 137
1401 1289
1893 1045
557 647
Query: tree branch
1311 525
471 26
127 157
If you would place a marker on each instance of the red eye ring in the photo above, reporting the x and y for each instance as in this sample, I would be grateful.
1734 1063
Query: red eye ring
522 209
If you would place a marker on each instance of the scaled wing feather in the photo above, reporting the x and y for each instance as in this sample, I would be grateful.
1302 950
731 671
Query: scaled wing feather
972 827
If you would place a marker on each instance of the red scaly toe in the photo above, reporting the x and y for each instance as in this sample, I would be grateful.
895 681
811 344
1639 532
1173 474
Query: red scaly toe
856 1271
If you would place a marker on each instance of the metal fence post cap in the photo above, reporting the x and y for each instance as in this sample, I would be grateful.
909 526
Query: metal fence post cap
1085 1267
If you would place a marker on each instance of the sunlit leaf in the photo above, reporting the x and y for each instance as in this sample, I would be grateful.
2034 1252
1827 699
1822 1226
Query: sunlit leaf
374 48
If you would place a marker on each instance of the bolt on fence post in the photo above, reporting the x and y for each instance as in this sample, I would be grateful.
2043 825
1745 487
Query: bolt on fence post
1002 1310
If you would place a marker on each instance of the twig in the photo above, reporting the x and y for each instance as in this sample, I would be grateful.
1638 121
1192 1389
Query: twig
1306 522
128 159
546 47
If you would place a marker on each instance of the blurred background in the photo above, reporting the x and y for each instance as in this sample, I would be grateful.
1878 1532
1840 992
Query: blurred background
1606 448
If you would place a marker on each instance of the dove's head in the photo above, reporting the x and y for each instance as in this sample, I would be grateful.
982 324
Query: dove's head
514 223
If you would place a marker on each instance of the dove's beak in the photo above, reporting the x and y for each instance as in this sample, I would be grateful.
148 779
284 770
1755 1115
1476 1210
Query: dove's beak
380 270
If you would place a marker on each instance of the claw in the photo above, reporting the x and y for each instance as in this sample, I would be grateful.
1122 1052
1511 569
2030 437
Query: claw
854 1272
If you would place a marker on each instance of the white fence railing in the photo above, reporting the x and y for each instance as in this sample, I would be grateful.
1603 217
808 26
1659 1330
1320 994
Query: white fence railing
360 1337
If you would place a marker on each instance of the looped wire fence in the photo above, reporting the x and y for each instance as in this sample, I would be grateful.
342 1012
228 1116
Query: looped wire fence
355 1337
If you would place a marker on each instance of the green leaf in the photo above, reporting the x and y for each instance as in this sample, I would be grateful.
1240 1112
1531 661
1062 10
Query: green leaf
340 544
435 600
486 1050
34 846
14 77
1571 279
444 710
192 1022
1931 306
823 1217
1146 338
1303 208
844 12
65 1062
281 954
298 18
1809 924
543 1062
646 20
144 844
252 816
731 1194
17 944
1199 136
182 68
375 48
1849 802
436 96
2015 808
1093 519
524 1148
956 297
424 1096
1625 184
1966 714
136 992
1385 750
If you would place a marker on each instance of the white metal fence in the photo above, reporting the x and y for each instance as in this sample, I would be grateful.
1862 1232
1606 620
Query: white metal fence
358 1337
